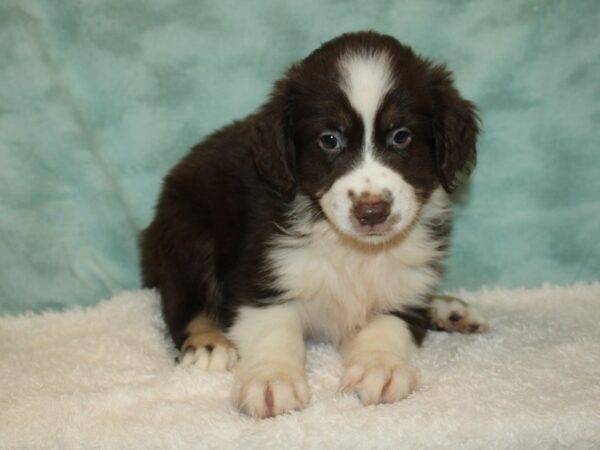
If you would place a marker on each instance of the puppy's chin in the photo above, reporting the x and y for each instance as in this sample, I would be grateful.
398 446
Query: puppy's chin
373 239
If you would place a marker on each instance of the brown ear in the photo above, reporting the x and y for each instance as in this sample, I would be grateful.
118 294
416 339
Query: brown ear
456 127
273 146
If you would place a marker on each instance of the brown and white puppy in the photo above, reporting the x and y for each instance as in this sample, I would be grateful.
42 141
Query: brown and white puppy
325 215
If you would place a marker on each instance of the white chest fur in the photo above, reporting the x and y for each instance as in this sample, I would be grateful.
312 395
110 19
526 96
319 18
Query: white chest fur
337 285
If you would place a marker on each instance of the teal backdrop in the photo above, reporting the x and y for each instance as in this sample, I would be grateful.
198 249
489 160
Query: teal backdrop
99 98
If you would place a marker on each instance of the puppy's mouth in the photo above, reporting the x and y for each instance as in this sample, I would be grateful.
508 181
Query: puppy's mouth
385 228
371 234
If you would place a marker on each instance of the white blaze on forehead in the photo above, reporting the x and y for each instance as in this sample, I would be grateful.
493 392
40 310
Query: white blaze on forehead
366 79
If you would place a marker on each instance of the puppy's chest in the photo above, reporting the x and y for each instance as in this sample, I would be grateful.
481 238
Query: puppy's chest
337 287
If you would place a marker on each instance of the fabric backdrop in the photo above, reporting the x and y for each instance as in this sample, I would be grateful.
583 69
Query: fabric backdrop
99 98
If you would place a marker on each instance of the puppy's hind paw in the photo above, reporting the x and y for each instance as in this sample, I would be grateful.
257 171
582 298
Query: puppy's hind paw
453 314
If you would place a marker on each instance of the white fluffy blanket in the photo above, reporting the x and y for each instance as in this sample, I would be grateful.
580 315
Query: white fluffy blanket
104 377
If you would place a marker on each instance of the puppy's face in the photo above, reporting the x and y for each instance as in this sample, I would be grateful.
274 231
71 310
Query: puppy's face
373 130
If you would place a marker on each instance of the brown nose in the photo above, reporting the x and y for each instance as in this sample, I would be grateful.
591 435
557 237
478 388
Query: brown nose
369 213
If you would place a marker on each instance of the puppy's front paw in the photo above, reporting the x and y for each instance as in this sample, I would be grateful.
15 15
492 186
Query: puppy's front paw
453 314
379 379
207 347
270 390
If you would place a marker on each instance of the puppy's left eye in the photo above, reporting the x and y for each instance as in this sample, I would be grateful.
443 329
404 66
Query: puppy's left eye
400 138
330 141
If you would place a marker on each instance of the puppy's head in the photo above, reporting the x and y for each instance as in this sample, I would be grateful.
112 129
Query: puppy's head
368 130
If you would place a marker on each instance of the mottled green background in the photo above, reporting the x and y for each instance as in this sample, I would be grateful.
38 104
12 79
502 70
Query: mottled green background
98 98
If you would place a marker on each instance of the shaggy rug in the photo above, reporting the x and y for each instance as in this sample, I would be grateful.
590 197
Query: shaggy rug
103 377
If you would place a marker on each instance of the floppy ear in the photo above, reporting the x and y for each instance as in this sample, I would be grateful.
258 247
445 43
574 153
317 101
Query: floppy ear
456 127
273 146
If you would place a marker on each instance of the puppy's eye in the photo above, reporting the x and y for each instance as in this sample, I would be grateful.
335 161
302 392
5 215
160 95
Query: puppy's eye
400 138
330 141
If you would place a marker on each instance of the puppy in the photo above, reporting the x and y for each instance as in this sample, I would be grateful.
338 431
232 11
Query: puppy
323 215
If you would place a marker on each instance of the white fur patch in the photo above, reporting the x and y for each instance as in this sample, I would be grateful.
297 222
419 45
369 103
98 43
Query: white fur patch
337 284
366 79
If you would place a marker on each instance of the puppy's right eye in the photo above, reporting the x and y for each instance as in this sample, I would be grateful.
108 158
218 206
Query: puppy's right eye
330 141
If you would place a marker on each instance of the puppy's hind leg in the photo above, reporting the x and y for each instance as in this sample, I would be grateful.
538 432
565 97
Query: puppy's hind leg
448 313
206 346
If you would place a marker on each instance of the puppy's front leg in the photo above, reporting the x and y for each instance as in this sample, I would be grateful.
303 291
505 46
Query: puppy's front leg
270 377
376 360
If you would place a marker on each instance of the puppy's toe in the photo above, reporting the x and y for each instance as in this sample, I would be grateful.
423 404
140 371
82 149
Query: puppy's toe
381 383
453 314
219 357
